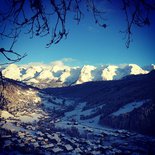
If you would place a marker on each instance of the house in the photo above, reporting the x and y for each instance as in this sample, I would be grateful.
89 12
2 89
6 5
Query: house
57 150
36 144
68 147
40 133
46 146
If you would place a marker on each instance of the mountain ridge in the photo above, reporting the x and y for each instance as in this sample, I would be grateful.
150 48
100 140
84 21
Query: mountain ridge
58 75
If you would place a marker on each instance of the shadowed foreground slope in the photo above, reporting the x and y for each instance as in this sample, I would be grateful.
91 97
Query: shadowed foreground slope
112 96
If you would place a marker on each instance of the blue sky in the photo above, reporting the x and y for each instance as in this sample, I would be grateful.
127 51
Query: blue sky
87 43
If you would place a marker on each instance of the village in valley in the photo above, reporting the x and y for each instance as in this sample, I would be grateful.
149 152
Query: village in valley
55 127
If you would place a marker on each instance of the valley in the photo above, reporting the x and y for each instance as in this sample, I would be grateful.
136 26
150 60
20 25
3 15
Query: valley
79 119
40 130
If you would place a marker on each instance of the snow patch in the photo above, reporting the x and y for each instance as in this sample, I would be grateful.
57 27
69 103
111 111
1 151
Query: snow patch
45 74
6 114
31 117
109 72
135 69
128 108
12 72
86 74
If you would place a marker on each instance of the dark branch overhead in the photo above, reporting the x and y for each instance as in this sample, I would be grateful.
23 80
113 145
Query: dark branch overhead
49 18
138 13
42 18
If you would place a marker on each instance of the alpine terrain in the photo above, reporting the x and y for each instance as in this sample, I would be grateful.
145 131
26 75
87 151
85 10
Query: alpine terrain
106 110
58 74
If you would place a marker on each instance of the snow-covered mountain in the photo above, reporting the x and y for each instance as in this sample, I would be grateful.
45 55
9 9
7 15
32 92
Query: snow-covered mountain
76 119
62 75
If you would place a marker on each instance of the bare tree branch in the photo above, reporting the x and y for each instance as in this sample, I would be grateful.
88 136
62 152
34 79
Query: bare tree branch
6 54
137 13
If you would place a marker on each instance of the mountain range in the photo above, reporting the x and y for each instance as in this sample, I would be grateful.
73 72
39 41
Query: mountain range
57 75
95 117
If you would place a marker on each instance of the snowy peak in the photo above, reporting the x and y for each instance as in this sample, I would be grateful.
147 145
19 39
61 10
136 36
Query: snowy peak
86 74
36 74
135 69
12 72
109 72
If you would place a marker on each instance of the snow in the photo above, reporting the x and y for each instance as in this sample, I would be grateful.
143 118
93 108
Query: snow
42 134
45 74
33 80
65 75
57 66
6 114
69 147
31 117
32 94
135 69
35 73
12 127
30 73
74 75
56 137
12 72
128 108
78 111
37 68
97 73
109 72
56 149
48 145
75 114
85 74
37 99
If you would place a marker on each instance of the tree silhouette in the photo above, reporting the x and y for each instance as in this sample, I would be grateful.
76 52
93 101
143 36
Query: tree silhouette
48 19
138 13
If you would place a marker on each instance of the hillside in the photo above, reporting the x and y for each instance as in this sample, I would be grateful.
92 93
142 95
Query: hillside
18 95
107 97
36 122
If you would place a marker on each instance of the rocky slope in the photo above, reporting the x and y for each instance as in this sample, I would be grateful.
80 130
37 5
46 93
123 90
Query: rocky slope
57 75
18 95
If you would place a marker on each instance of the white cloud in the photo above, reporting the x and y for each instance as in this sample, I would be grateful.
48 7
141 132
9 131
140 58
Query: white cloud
32 64
62 61
68 59
57 63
